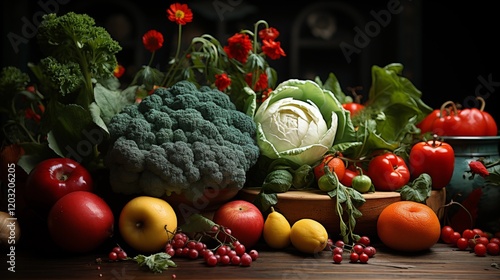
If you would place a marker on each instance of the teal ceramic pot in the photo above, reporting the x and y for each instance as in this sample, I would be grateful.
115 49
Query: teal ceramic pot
467 149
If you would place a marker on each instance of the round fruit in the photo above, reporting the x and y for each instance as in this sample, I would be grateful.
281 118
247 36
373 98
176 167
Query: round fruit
325 185
308 236
80 222
446 233
408 226
243 218
335 164
147 223
276 231
52 179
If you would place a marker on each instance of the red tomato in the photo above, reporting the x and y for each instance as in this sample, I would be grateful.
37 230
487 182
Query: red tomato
426 124
388 172
477 122
448 122
435 158
348 176
353 107
335 164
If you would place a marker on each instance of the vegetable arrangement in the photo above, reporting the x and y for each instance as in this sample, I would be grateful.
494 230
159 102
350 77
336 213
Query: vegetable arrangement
373 142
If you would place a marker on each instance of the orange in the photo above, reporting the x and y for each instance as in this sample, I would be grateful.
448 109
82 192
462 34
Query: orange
335 164
408 226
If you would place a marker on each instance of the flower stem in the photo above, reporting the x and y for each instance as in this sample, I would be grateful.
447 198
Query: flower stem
151 59
255 32
166 80
179 38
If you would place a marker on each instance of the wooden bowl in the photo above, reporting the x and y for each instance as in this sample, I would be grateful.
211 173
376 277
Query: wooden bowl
295 205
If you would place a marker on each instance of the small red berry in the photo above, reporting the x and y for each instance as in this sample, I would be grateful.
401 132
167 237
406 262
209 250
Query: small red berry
363 258
337 258
480 250
112 256
354 257
493 249
462 243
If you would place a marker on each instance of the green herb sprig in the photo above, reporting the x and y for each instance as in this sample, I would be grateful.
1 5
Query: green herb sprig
157 263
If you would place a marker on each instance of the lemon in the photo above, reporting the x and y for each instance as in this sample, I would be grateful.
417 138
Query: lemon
308 236
276 231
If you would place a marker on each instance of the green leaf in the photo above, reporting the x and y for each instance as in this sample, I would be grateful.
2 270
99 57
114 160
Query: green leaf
250 105
73 132
303 177
95 112
418 190
34 154
357 198
148 77
197 223
111 102
332 84
277 181
156 263
264 201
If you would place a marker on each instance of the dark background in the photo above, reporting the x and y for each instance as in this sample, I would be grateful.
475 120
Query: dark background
449 52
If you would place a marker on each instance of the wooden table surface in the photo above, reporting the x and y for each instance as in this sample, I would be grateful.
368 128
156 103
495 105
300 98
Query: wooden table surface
440 262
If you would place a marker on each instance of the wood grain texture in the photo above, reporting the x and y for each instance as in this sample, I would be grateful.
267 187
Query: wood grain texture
295 205
440 262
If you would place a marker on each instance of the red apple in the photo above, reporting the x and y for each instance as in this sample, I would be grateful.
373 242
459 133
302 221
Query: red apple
53 178
80 222
243 218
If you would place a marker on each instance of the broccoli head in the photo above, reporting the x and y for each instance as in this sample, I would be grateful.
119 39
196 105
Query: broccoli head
181 140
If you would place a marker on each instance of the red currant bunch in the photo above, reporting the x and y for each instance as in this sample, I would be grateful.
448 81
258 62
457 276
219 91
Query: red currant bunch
227 250
117 254
361 251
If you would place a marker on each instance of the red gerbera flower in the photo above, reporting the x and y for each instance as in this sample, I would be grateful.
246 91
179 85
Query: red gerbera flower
272 49
239 46
180 13
152 40
270 33
119 70
222 81
478 167
260 84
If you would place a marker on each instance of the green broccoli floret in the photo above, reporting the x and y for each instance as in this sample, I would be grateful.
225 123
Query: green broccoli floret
77 54
184 139
12 80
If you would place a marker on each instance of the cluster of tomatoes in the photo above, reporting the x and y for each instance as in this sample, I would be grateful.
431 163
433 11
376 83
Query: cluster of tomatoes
388 171
474 240
451 121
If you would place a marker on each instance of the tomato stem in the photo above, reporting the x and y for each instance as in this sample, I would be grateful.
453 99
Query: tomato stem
357 97
483 103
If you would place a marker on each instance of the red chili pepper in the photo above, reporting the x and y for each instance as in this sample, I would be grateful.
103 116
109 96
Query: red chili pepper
477 167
